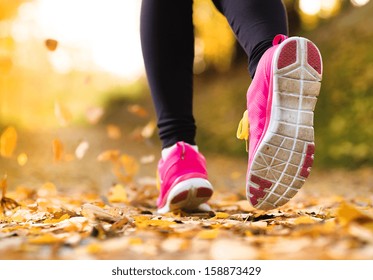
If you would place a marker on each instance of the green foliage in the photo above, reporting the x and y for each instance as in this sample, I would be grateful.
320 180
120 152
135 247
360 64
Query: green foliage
343 122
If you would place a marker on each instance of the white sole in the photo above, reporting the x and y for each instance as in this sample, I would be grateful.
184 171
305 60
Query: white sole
188 195
285 155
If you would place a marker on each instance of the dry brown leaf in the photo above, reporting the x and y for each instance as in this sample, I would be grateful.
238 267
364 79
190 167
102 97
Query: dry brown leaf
8 142
51 44
137 110
95 213
62 113
113 131
58 150
6 203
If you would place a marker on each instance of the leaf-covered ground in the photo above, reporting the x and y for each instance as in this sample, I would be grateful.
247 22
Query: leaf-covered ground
89 193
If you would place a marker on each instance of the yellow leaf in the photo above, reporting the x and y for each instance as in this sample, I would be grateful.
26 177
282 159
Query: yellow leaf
47 238
57 148
137 110
148 130
4 185
51 44
221 215
8 142
144 222
129 164
113 131
112 155
348 213
22 159
55 221
94 248
208 234
118 194
135 241
126 168
304 220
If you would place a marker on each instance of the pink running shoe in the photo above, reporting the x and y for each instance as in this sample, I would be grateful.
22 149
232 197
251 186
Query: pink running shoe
182 180
280 104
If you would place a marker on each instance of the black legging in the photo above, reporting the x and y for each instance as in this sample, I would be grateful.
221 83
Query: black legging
167 39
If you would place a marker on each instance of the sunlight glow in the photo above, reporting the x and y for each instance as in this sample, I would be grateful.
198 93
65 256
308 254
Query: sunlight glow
310 7
100 34
359 3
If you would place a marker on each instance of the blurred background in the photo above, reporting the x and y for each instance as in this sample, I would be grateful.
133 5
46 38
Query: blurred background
78 63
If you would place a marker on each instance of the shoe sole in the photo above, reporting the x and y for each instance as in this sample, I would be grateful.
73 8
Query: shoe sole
285 155
188 195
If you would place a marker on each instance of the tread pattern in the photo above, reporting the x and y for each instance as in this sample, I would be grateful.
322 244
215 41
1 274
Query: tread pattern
285 156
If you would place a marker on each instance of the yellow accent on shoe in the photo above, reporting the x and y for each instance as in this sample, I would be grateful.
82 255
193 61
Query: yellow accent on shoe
243 129
158 180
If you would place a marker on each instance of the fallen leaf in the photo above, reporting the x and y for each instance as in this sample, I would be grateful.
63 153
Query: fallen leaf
348 213
47 238
58 150
94 114
54 221
302 220
221 215
82 149
137 110
144 222
148 130
109 155
113 131
8 142
147 159
6 203
94 248
51 44
125 168
118 194
95 213
208 234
